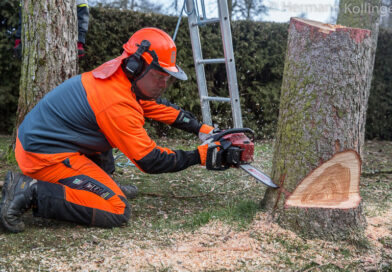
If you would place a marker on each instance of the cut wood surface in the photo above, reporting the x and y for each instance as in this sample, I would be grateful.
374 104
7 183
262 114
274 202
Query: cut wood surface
325 28
334 184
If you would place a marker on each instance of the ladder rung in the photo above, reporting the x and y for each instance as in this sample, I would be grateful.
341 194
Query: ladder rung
210 61
220 99
207 21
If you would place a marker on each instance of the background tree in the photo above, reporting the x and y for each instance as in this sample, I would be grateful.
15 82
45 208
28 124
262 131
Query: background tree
135 5
303 15
176 5
360 14
49 38
322 108
250 10
386 15
334 13
363 14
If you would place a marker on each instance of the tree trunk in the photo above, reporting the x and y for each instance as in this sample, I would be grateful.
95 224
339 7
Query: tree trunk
49 39
230 7
360 14
386 16
363 14
322 112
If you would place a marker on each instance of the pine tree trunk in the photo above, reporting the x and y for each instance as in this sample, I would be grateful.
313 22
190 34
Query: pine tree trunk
49 39
322 112
363 14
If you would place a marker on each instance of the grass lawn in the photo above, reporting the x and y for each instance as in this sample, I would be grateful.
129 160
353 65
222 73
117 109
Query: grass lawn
198 220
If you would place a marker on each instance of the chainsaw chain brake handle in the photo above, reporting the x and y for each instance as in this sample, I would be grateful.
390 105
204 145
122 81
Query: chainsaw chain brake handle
218 136
223 155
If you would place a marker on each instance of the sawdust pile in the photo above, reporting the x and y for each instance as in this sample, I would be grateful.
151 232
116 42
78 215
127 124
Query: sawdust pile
217 246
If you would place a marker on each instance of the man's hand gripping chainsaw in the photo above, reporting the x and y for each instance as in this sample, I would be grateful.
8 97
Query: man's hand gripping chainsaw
233 148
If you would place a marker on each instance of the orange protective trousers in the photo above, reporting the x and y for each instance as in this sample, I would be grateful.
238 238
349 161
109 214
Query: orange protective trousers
71 187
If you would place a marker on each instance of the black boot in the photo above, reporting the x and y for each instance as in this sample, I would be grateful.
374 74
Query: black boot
130 191
18 195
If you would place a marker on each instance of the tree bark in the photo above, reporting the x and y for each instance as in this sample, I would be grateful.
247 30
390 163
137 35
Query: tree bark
49 39
363 14
322 112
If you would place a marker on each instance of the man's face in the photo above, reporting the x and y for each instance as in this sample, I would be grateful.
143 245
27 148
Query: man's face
154 83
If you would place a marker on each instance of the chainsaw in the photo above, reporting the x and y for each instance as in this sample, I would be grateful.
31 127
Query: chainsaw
233 148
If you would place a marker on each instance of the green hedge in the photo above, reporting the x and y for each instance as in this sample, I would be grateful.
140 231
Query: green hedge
259 54
379 115
9 66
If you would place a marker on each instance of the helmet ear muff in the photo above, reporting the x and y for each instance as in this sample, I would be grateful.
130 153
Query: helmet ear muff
134 64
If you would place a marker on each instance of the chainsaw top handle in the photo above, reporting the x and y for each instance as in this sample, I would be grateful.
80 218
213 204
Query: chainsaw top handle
218 136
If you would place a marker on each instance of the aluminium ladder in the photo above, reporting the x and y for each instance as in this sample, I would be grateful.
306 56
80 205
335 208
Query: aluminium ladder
194 24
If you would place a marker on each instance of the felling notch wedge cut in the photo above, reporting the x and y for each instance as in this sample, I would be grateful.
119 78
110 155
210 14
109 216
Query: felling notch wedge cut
334 184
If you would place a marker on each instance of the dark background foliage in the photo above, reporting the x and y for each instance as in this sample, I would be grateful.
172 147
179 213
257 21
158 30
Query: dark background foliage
259 55
379 114
9 66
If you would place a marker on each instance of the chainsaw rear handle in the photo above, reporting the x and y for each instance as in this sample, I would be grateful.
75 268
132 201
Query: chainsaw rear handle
219 135
215 159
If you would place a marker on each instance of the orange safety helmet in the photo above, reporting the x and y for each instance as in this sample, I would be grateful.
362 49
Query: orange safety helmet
162 44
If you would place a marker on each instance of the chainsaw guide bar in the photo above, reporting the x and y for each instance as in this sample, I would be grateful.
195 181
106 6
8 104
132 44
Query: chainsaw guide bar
258 175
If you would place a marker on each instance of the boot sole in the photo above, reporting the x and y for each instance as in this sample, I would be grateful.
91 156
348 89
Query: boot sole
9 186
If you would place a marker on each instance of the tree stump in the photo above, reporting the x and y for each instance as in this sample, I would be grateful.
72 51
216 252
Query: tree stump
322 112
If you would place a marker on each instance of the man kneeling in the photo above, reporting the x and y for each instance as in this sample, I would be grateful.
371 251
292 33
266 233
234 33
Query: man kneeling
87 116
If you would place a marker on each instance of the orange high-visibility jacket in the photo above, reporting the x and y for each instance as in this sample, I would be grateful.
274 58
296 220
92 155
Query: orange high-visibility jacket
89 115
